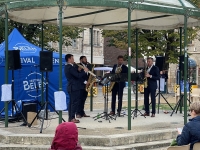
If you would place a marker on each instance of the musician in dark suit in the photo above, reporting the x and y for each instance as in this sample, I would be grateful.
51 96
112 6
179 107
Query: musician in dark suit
83 93
118 86
152 75
73 73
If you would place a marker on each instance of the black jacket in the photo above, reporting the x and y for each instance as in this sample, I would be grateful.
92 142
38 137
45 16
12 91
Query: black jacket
190 133
124 70
152 82
84 78
73 75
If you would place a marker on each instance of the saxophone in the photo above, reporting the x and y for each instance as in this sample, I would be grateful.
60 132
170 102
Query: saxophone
145 78
118 70
90 72
91 80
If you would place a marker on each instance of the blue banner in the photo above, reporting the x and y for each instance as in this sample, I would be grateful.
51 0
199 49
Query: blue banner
28 79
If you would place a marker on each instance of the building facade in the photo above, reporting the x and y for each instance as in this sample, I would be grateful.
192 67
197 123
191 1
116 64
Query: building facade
82 46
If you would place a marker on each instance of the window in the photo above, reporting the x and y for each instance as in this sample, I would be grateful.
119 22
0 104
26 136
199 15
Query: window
74 43
94 37
98 38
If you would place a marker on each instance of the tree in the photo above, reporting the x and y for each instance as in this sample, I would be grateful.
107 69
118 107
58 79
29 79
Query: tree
152 42
32 32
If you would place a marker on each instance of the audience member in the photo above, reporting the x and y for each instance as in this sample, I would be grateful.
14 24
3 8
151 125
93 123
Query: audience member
66 137
191 131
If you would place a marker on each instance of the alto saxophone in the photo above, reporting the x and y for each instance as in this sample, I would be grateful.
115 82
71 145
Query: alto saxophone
145 79
118 70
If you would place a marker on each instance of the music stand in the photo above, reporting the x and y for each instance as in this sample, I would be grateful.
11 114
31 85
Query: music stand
14 105
180 101
106 79
160 94
45 107
123 77
137 78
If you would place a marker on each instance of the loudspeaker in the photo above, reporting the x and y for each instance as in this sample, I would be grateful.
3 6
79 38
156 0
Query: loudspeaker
14 61
181 62
46 61
160 62
28 107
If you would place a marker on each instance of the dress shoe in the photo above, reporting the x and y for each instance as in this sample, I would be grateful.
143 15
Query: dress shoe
86 115
78 116
75 121
111 113
145 114
153 115
119 113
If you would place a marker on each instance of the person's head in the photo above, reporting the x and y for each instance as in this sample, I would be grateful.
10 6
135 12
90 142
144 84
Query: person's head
83 59
69 58
149 61
120 60
66 136
161 72
195 109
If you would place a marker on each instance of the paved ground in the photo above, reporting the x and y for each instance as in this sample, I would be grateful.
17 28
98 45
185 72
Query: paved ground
102 126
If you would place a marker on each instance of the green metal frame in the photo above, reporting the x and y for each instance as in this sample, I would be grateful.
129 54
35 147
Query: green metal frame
129 65
17 5
6 65
91 61
80 15
61 4
159 7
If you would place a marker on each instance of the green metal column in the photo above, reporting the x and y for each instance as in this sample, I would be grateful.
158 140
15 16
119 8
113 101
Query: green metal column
180 75
129 66
6 64
136 54
91 91
61 3
42 46
185 67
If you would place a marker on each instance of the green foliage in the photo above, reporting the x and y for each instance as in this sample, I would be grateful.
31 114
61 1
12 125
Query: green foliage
32 32
196 2
152 43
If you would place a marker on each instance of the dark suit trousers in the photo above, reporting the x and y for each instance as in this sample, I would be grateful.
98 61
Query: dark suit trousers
116 89
152 92
73 103
82 99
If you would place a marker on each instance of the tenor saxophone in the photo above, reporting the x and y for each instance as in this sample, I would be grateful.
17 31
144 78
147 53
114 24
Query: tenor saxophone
91 81
118 70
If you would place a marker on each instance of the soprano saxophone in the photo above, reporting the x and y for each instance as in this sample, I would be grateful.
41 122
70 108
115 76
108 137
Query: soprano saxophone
90 72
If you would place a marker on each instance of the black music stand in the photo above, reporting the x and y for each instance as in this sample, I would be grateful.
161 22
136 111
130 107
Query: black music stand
160 94
105 115
123 77
180 101
45 107
137 77
14 105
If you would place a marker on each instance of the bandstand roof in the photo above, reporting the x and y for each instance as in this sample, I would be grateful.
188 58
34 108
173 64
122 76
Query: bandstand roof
105 14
